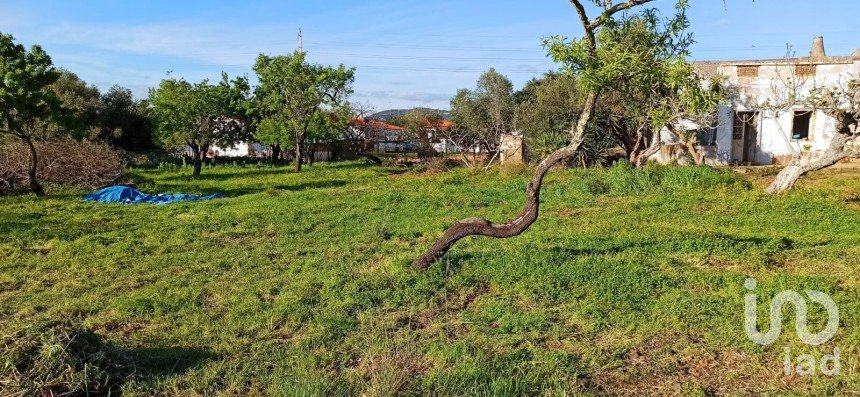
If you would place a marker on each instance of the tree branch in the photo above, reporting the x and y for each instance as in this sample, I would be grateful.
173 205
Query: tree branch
586 24
614 9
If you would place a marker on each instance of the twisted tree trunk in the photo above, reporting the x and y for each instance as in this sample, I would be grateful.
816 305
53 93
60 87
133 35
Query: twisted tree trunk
198 153
789 175
483 227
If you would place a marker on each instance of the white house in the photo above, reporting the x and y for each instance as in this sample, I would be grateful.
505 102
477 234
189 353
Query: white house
749 130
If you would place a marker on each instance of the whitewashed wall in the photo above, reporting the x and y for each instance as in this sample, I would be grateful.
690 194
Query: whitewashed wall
774 137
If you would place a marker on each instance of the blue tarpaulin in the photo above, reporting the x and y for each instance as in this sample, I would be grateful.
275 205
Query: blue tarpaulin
127 195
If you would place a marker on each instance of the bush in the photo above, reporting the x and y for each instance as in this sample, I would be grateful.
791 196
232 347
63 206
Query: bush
62 162
60 359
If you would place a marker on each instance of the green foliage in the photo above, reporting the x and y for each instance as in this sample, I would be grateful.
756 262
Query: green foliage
25 100
293 93
270 131
639 68
202 114
618 43
299 283
81 104
124 122
487 111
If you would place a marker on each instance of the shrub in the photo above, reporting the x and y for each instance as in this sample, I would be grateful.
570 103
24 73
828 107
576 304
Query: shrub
60 359
62 162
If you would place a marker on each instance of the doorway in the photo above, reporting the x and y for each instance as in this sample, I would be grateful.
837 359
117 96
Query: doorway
745 146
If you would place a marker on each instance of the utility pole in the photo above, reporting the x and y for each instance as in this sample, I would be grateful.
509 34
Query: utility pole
300 39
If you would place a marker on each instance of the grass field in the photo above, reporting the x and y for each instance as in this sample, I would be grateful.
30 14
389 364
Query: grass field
631 282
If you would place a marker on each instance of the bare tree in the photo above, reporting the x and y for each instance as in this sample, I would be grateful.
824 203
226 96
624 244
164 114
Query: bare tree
483 227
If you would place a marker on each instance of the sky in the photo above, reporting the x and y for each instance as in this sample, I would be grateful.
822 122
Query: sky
406 53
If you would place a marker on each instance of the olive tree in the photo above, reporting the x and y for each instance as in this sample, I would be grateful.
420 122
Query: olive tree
482 114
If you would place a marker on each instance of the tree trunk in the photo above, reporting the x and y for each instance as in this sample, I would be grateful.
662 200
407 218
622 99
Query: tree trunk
276 153
690 142
642 154
198 166
483 227
786 178
298 155
698 156
198 157
32 169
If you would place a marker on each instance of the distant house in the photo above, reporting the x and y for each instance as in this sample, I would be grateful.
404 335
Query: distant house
388 138
747 133
240 149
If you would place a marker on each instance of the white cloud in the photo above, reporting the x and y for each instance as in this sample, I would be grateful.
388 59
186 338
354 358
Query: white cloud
205 43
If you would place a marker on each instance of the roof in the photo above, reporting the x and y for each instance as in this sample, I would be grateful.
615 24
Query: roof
362 122
709 69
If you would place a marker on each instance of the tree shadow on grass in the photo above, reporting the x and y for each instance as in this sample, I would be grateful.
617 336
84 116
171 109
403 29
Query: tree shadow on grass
568 252
223 176
255 189
170 361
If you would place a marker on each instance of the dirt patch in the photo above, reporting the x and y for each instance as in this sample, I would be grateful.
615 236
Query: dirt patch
680 364
125 329
567 213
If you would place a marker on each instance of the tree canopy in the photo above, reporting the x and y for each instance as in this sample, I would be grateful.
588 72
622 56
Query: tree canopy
200 115
290 95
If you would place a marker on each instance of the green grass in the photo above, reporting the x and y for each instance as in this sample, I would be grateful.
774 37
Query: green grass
299 284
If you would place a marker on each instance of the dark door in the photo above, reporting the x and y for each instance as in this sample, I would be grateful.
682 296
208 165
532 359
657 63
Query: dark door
745 137
751 140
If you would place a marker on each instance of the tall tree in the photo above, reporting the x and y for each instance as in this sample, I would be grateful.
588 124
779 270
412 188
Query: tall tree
292 92
660 90
200 115
599 60
26 101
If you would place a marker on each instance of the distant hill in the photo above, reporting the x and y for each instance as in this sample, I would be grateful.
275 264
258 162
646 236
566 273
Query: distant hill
385 115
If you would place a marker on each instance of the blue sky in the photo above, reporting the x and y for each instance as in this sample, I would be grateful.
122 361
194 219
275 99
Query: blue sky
407 53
